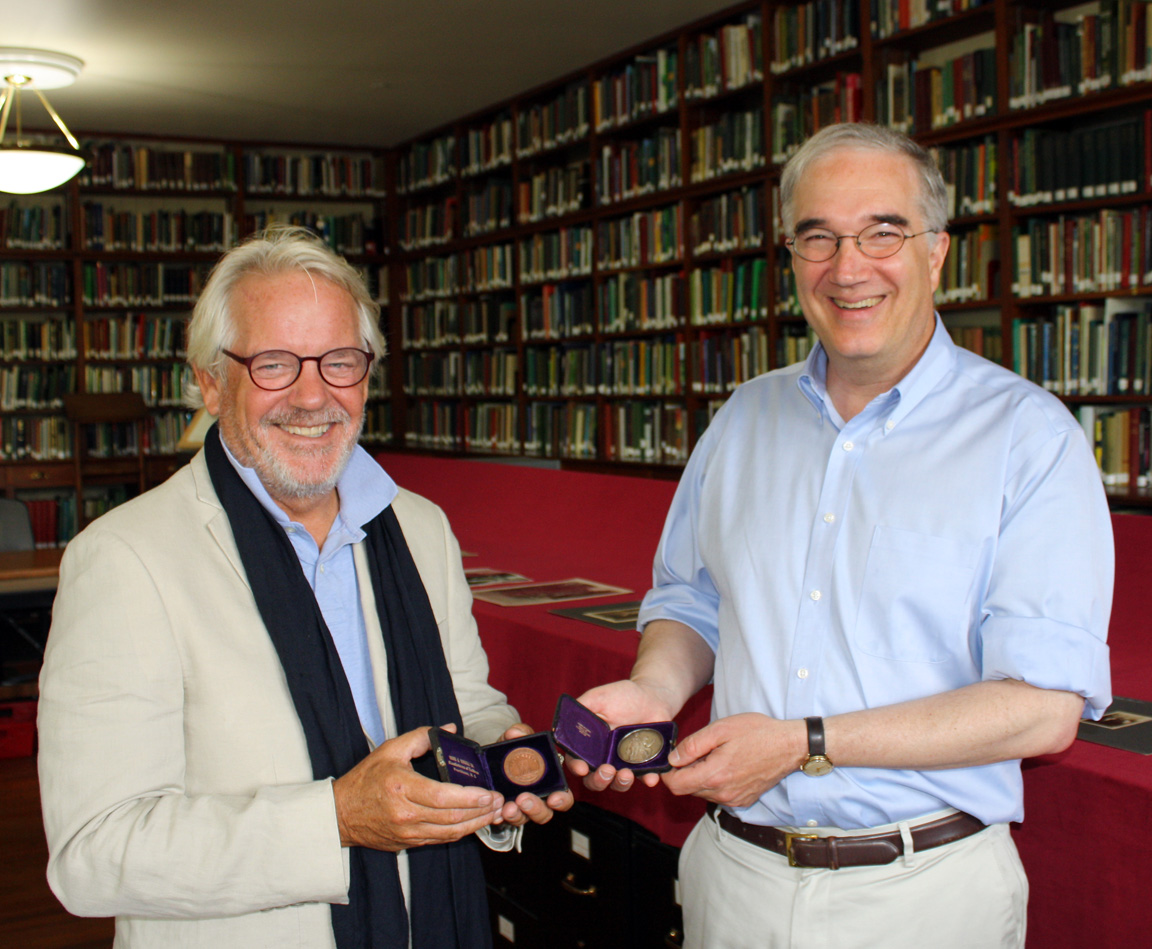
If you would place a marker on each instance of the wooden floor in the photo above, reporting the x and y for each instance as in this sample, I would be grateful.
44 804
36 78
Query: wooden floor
30 916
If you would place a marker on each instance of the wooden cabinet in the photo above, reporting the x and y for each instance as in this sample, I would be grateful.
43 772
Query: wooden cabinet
36 475
660 922
588 879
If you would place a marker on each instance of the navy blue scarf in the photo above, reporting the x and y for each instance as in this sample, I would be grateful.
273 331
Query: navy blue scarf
448 904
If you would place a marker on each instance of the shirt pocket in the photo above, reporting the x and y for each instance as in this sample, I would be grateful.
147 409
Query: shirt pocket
914 601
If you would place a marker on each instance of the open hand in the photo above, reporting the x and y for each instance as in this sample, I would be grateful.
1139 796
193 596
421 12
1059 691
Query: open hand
619 703
528 806
384 804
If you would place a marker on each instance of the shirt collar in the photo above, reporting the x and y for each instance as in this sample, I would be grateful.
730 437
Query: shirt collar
364 489
813 379
938 359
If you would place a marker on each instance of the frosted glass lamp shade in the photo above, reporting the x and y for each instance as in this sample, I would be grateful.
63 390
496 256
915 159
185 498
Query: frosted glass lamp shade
31 169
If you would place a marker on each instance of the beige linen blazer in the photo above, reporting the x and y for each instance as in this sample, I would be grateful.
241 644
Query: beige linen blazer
176 784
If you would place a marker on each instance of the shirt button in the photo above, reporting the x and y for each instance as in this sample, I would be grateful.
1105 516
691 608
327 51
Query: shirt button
802 673
848 446
829 518
815 594
321 568
813 823
889 425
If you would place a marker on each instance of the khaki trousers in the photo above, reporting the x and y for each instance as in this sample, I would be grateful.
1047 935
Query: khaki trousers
971 894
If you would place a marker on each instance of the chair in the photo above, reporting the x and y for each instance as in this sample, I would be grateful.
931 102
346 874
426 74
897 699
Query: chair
15 525
96 419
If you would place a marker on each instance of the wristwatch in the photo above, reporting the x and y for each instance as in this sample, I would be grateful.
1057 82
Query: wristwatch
817 764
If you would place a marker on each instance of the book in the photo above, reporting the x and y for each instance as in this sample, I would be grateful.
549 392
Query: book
555 591
620 616
1127 725
487 576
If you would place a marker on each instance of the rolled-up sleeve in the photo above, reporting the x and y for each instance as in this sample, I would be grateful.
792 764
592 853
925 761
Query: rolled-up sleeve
682 589
1049 597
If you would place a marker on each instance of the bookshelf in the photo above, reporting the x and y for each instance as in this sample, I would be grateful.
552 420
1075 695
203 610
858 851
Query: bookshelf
98 279
341 195
586 270
648 275
152 218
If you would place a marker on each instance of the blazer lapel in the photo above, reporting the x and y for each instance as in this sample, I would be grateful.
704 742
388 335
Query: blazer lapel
215 518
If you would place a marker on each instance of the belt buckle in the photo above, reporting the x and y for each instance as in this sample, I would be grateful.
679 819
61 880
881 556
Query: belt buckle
788 840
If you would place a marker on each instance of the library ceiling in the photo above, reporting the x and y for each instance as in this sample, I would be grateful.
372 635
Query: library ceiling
370 72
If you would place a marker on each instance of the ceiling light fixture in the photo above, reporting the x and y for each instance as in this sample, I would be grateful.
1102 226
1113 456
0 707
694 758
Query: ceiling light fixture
27 166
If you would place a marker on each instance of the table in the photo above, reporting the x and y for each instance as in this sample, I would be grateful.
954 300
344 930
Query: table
1086 837
1086 841
29 569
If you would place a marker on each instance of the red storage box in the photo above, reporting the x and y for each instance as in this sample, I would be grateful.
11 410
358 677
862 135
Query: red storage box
17 728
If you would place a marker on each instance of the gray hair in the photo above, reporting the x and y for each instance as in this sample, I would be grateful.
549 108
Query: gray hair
846 135
275 250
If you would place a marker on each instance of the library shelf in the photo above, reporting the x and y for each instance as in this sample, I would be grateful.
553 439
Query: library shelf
631 207
98 278
975 82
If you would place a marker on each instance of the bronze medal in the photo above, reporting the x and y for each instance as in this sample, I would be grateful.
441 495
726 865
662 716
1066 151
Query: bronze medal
524 766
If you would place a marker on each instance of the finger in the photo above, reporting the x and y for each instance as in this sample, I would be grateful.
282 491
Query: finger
577 766
530 807
601 778
512 814
410 745
444 795
420 834
542 811
560 800
448 813
686 780
708 778
681 756
518 730
694 747
623 780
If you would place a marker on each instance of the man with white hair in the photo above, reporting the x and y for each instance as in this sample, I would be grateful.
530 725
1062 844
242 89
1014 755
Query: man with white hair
244 662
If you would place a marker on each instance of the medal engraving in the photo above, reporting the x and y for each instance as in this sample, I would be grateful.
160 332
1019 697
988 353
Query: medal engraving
524 766
640 745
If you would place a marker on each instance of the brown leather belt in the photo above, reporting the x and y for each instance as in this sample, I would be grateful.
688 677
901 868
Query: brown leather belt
867 850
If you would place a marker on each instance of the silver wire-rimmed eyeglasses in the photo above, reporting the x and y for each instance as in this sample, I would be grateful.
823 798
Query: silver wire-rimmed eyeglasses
880 240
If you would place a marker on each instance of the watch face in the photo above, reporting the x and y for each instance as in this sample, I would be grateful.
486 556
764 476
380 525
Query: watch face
817 766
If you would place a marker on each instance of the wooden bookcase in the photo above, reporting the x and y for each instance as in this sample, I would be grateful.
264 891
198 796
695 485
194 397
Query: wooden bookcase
585 271
630 220
98 279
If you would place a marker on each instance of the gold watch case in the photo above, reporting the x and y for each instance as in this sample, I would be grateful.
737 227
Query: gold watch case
817 766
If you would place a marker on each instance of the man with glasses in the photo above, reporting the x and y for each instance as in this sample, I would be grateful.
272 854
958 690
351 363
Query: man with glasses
893 561
244 662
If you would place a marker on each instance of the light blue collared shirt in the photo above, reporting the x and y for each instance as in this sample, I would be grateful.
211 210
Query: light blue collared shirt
956 530
365 490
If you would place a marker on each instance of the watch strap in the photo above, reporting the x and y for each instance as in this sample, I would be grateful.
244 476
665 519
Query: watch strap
815 736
